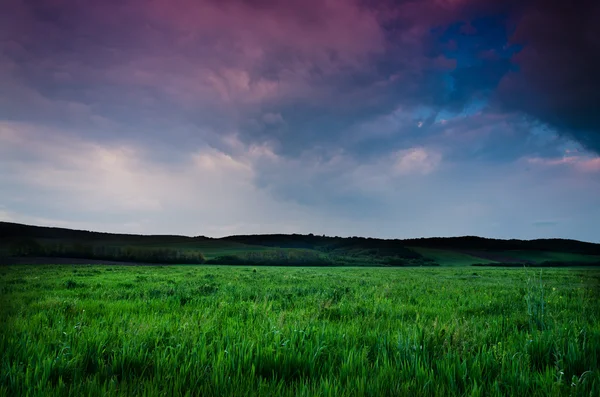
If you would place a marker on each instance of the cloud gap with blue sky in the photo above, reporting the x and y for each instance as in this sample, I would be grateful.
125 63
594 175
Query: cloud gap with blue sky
386 118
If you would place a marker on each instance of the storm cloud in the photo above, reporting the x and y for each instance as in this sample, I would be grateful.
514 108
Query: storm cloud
347 113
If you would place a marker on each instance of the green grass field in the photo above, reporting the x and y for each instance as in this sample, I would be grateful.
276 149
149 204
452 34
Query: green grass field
220 331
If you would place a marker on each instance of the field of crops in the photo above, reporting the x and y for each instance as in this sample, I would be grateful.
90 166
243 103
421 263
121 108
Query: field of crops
219 330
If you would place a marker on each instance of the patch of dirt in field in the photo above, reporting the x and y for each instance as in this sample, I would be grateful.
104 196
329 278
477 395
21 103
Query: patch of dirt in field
68 261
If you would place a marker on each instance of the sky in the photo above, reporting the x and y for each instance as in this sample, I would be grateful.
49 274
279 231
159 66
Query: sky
384 118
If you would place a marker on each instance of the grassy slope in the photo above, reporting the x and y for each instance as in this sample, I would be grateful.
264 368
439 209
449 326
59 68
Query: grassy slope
543 256
447 257
216 331
462 251
210 248
450 258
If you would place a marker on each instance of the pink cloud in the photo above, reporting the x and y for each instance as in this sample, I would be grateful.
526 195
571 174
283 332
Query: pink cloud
416 161
248 54
581 163
227 53
231 51
309 28
590 165
227 57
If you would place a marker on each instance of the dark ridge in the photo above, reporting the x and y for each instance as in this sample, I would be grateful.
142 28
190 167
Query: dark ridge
11 231
488 244
452 243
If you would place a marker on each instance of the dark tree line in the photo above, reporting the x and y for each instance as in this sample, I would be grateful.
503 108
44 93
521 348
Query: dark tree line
31 248
313 258
377 247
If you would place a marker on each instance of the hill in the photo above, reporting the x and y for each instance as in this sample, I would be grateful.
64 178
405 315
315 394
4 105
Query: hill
18 240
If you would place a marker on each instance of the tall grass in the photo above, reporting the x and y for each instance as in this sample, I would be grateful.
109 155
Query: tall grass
535 302
222 330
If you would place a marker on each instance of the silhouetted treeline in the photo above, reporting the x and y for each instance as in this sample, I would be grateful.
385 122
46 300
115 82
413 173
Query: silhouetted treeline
312 258
12 231
357 246
31 248
306 241
360 246
488 244
275 258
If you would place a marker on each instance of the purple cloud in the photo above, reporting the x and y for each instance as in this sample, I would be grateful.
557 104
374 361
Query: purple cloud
322 109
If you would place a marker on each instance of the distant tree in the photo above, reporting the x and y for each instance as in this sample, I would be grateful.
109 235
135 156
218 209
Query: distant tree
26 247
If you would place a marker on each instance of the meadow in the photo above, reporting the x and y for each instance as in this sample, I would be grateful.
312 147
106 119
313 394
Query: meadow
309 331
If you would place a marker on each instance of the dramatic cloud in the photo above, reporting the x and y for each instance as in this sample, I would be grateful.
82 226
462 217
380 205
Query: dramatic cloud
558 80
346 116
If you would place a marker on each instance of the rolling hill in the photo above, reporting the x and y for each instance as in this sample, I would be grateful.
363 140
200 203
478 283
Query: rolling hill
18 240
